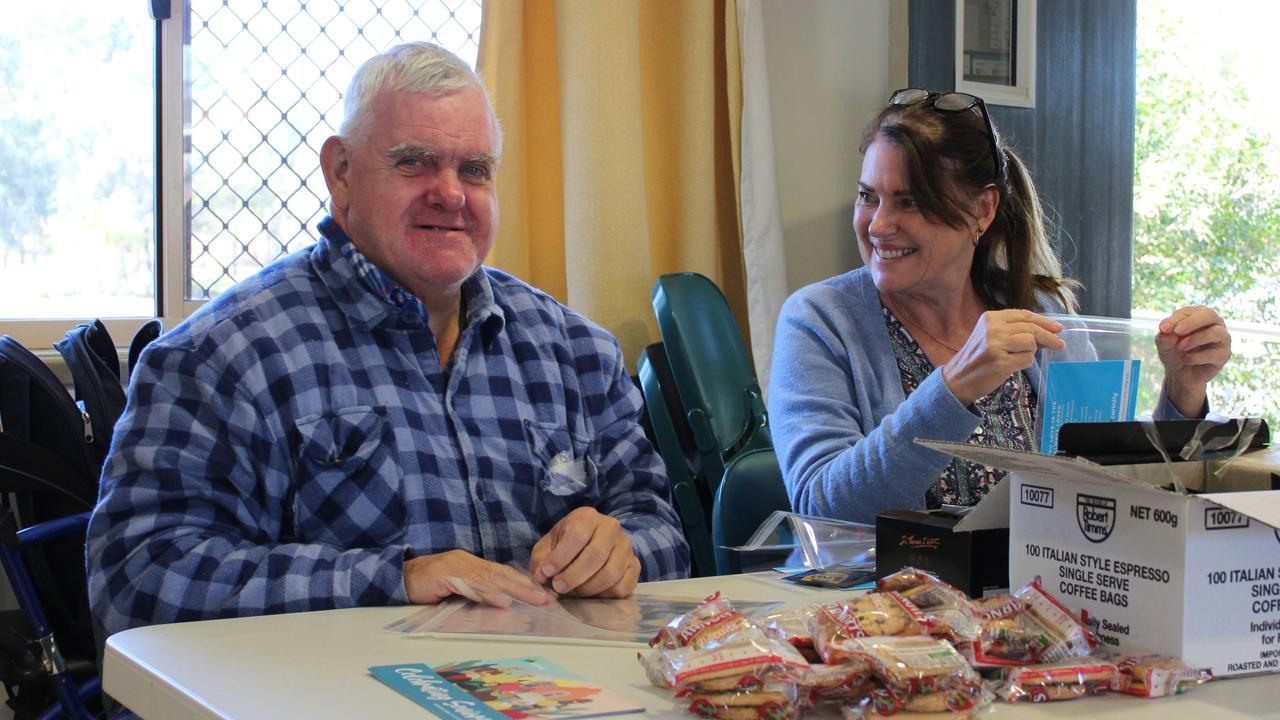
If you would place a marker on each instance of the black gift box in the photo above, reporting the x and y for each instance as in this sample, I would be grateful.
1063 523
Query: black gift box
1130 443
973 561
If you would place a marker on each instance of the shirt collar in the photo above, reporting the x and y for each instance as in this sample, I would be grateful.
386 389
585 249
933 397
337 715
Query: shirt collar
369 294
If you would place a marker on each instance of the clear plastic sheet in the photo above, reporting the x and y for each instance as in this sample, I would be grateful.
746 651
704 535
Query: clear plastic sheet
599 620
812 541
1244 388
1109 371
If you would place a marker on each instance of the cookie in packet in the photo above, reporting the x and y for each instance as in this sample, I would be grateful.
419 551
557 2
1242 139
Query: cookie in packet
1065 679
1156 676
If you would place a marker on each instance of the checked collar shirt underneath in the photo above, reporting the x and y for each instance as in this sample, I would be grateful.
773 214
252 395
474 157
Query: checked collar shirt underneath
288 446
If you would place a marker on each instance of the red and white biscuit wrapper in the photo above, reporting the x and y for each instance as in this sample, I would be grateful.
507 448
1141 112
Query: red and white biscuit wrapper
872 615
847 681
792 625
905 579
926 591
715 648
912 665
729 667
996 607
1041 631
1154 676
959 703
712 623
1065 679
773 701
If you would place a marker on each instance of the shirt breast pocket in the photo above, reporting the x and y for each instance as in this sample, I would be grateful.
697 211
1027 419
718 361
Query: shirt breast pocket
349 483
566 474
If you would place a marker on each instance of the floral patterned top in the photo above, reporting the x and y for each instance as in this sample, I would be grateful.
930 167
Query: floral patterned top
1008 421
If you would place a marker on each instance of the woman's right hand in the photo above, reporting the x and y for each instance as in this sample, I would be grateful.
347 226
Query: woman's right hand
1002 343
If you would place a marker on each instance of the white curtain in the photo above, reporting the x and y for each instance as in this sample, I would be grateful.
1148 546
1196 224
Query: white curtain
763 258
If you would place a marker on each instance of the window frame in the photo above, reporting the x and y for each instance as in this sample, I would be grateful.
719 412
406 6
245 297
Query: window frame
172 180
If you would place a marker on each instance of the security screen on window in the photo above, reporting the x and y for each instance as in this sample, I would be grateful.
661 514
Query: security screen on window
265 91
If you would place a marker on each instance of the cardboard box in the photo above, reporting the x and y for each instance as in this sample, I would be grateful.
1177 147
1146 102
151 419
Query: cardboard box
929 541
1191 575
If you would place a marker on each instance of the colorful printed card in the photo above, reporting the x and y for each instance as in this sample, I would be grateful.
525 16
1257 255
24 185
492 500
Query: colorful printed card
526 688
1087 391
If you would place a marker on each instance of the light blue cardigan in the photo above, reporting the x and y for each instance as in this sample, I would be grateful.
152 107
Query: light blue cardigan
841 424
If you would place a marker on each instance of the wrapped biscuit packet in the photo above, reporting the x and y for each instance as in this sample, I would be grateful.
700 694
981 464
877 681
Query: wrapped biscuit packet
707 625
953 615
846 682
792 625
1156 676
729 667
955 704
1040 630
996 607
773 701
926 590
912 665
1065 679
919 676
715 649
872 615
905 579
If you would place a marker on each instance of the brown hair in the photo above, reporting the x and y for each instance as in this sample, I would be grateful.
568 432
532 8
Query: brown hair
948 159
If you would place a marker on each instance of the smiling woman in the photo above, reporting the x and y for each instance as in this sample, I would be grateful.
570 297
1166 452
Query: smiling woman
934 337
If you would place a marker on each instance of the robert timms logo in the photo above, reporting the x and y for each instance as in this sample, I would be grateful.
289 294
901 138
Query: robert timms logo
1096 517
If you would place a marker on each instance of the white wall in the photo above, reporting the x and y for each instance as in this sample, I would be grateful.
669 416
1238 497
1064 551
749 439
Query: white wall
829 73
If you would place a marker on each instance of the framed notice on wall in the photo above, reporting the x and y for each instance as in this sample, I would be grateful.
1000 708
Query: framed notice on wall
996 50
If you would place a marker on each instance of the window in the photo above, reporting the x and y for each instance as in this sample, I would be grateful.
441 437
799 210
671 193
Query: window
1207 183
77 161
247 90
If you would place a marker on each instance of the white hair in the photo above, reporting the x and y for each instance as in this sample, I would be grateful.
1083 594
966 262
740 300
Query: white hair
419 67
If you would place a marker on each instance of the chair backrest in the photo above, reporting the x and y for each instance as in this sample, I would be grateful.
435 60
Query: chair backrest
51 455
752 488
95 372
712 370
48 441
674 441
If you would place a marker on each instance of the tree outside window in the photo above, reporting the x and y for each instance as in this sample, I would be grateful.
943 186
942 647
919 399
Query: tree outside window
1207 183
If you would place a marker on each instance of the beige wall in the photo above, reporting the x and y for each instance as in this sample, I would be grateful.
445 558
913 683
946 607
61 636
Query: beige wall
829 72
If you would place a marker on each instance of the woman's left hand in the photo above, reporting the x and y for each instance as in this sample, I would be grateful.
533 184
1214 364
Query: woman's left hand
1193 344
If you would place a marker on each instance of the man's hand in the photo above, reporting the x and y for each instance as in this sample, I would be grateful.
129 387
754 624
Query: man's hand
431 578
586 554
1194 345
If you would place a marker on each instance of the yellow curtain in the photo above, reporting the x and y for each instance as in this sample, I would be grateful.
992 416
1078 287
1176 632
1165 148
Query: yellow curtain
621 158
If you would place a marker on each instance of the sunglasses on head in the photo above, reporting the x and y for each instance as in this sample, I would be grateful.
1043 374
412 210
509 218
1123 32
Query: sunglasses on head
952 102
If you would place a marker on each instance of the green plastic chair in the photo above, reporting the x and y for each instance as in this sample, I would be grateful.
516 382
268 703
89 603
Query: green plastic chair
713 372
675 445
750 491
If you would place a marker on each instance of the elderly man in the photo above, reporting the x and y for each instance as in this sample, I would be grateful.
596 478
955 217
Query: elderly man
379 419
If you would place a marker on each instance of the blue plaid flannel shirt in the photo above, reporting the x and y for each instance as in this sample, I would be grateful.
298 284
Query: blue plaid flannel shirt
291 443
